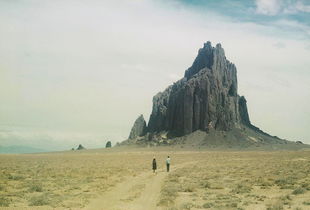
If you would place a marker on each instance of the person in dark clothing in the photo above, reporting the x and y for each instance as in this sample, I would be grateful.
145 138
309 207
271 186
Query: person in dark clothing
154 165
168 163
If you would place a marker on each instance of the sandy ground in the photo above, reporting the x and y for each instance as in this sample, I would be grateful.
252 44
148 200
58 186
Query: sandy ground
138 193
121 179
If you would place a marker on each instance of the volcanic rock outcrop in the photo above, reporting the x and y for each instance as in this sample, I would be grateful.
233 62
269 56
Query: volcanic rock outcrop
205 98
138 129
108 144
80 147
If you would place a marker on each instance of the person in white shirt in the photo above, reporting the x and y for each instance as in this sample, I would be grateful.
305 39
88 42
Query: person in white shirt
168 163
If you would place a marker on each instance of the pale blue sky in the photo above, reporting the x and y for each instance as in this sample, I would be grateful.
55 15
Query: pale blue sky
81 71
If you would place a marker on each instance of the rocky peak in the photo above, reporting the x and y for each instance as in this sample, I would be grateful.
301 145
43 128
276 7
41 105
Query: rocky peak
80 147
205 99
139 128
206 58
208 93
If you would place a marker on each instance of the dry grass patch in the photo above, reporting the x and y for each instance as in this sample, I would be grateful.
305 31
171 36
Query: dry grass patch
169 191
64 179
216 179
299 190
245 180
4 202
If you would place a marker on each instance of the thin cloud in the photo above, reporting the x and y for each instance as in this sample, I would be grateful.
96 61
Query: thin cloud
268 7
276 7
294 8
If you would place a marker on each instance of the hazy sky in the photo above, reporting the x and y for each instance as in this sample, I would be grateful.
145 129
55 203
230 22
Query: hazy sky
77 71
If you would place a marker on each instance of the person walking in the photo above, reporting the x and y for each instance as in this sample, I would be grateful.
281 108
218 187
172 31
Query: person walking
154 165
168 163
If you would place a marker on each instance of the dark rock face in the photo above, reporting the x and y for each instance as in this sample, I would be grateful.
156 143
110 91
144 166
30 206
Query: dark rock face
138 129
205 99
243 111
108 144
207 94
80 147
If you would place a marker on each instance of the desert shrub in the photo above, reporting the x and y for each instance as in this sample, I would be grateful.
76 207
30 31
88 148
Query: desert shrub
306 202
207 205
15 177
223 197
35 187
232 205
306 186
4 202
205 184
299 190
276 206
287 183
173 178
281 182
187 206
241 188
264 183
286 199
189 187
168 195
40 200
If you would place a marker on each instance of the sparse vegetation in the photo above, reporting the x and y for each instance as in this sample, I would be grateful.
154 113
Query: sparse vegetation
241 188
5 202
276 206
40 200
35 187
298 190
243 180
62 179
306 203
169 191
207 205
206 179
15 177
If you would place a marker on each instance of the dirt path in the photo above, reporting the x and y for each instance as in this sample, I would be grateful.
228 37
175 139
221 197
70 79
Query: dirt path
135 193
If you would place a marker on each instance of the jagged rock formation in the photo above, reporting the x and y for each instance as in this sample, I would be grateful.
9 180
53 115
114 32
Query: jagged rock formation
108 144
206 95
138 129
243 110
205 99
80 147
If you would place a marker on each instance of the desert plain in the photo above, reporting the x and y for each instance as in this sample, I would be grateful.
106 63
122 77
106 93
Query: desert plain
122 179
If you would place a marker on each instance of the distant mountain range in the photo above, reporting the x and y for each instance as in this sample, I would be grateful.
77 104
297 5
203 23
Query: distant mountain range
19 150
